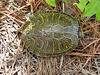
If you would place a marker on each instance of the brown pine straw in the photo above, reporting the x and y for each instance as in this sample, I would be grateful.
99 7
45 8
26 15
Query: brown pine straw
91 43
84 65
66 64
15 10
40 67
95 31
81 54
10 73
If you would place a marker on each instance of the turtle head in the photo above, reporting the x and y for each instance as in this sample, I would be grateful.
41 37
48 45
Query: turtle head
80 34
28 15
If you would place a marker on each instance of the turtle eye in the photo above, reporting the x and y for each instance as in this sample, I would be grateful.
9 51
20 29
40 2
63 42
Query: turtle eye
80 33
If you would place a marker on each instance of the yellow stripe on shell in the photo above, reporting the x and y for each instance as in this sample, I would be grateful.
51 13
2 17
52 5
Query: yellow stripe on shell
71 21
24 32
31 51
66 46
42 44
33 40
28 28
59 46
52 17
42 19
33 25
53 46
58 18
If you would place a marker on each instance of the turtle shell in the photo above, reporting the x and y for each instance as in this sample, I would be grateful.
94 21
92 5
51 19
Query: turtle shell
50 33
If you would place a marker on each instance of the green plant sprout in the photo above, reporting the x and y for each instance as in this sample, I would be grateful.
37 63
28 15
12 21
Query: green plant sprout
92 7
88 7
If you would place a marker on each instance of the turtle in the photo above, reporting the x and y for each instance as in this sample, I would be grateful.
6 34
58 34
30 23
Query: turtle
50 33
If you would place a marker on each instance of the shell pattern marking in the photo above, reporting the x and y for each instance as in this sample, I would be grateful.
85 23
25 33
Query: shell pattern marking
50 33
